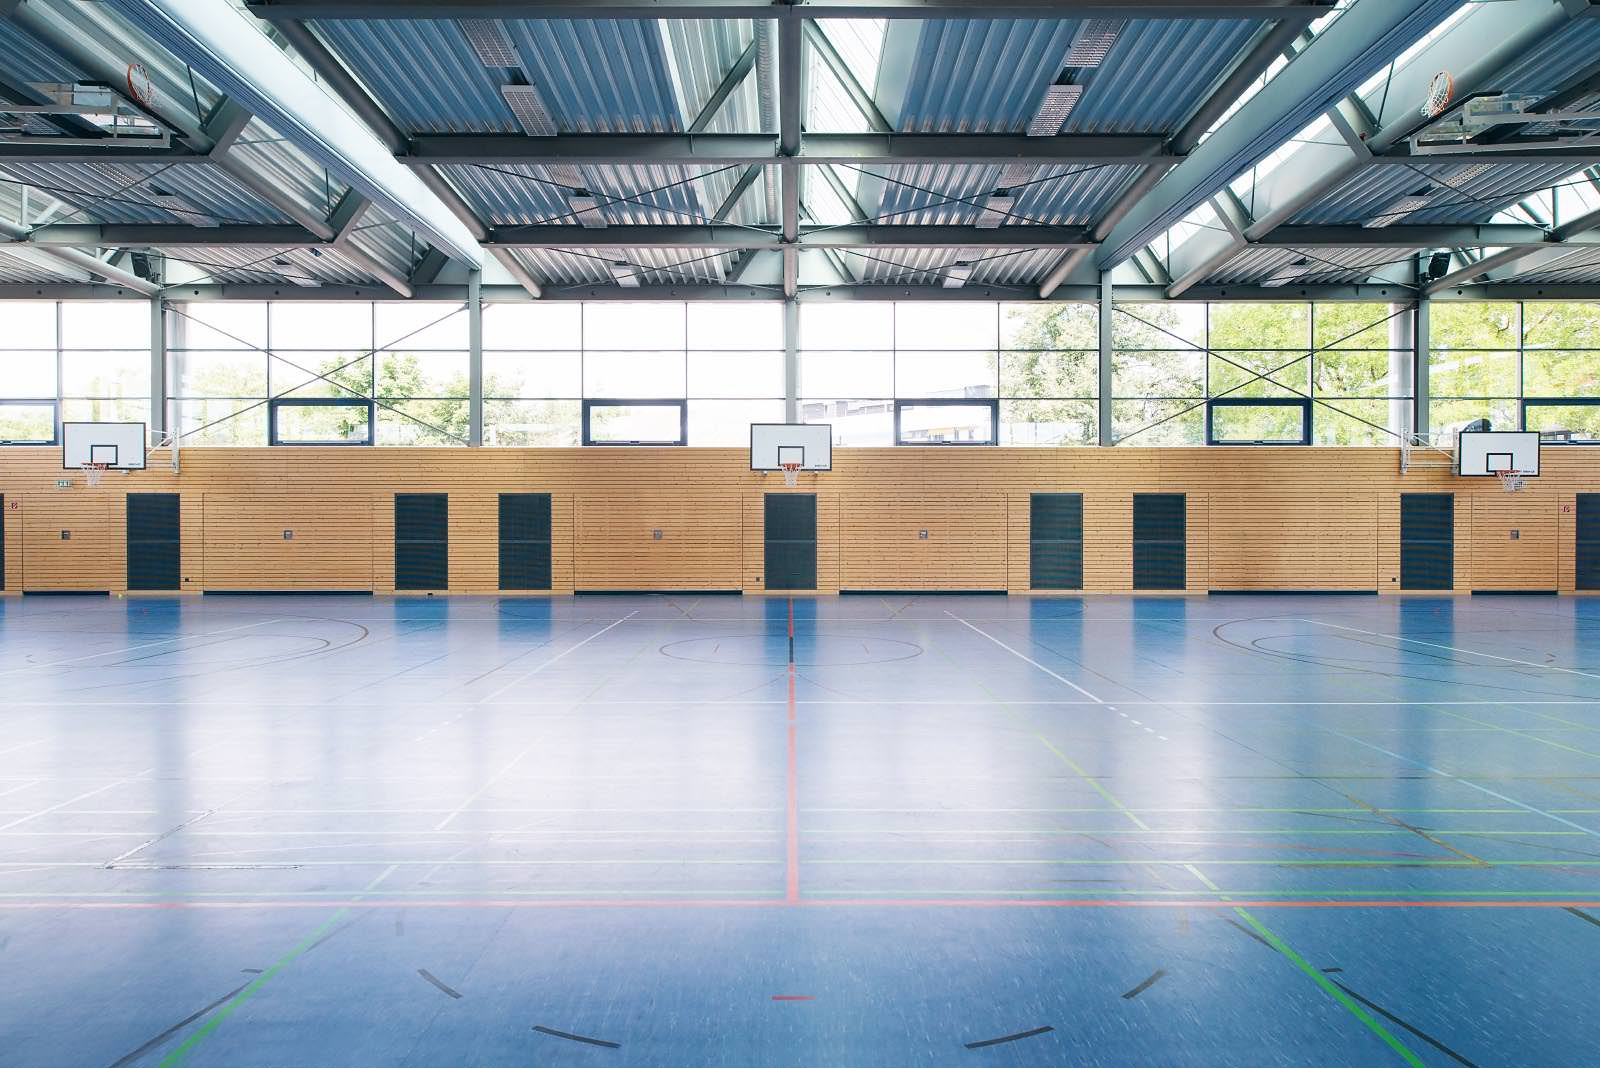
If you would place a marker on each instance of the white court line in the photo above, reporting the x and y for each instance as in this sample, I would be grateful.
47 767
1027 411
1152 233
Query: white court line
142 846
481 790
1453 649
23 745
569 649
136 648
1022 656
74 800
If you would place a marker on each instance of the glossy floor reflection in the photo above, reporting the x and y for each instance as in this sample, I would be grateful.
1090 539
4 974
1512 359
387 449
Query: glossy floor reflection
736 831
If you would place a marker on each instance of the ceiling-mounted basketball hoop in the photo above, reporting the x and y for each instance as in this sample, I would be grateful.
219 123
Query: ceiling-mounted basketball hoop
1441 90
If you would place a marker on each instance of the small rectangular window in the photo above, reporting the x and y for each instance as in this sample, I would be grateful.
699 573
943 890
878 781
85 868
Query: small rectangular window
946 422
320 421
27 422
1564 421
635 422
1258 421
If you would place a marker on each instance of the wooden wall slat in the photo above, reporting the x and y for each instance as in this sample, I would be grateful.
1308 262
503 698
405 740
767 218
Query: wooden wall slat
1259 518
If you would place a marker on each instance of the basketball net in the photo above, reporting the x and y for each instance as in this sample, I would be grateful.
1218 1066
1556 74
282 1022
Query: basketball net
1510 481
92 472
1440 92
791 474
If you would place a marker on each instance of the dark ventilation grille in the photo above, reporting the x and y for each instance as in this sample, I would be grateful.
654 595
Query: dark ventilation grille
1586 545
421 541
153 543
524 541
1427 541
1160 541
791 541
1055 524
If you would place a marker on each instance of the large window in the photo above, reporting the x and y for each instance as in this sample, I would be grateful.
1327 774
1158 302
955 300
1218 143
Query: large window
722 363
28 363
1260 373
80 361
398 370
1533 365
957 373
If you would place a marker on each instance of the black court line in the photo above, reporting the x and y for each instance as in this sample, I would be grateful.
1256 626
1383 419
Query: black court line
1159 974
1429 1039
1010 1038
430 977
576 1038
1584 916
179 1026
1374 1006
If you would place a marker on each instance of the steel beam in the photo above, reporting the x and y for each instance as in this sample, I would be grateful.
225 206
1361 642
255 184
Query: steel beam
791 79
736 74
1365 37
741 237
344 85
1584 231
1512 28
1271 43
1420 237
161 235
1300 11
219 42
722 149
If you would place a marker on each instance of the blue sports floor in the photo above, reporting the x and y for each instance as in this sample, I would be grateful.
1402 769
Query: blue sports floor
302 831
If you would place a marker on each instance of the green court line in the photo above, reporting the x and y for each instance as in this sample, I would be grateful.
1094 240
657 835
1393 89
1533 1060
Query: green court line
1092 781
176 1057
1276 942
1331 990
1328 987
1084 775
1516 733
1263 862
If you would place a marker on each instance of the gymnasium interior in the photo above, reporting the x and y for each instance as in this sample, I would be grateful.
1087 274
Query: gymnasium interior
799 533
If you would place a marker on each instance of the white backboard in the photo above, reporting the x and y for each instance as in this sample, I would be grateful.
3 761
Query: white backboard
119 445
809 444
1482 453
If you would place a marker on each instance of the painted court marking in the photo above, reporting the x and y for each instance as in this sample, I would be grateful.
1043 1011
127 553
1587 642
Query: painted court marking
136 648
569 649
1453 649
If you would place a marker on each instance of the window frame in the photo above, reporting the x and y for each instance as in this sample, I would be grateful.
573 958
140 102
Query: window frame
275 404
992 403
1304 404
681 403
1554 402
53 403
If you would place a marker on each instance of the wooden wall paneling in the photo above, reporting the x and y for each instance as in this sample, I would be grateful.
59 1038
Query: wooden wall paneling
1530 562
381 549
1107 540
93 557
698 548
563 551
883 550
236 502
13 533
1566 542
332 547
475 541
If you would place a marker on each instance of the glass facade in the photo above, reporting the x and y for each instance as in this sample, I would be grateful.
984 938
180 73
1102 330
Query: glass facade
881 373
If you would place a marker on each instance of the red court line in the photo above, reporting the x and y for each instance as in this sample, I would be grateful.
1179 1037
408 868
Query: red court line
763 903
792 801
792 788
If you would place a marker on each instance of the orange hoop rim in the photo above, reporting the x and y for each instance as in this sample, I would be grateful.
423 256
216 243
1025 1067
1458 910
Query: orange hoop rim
1435 103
